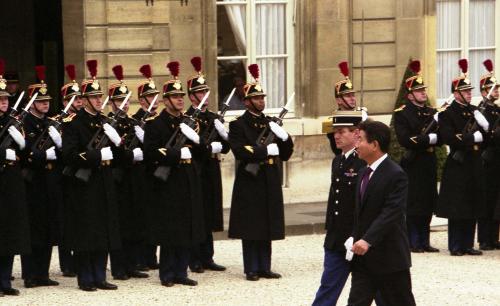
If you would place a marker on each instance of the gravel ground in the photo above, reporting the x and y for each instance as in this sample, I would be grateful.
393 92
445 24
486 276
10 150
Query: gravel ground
438 279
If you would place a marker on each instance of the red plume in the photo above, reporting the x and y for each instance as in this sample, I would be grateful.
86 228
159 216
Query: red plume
415 66
488 64
118 71
71 71
196 62
146 71
254 71
40 73
344 68
92 67
464 65
2 66
174 68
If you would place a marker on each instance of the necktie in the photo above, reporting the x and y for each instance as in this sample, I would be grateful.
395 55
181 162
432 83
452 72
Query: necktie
364 182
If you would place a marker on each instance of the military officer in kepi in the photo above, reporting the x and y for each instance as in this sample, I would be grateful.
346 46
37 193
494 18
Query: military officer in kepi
416 129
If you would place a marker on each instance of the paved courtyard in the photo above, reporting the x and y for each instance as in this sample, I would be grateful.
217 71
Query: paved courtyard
438 279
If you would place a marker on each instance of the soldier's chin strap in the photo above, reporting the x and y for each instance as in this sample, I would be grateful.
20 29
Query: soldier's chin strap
417 100
92 106
36 108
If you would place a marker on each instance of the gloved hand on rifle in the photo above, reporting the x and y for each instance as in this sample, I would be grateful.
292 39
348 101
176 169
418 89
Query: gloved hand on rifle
106 154
278 131
433 138
216 147
138 155
481 120
139 132
17 136
478 137
185 153
10 154
219 126
273 150
190 133
56 137
50 153
112 134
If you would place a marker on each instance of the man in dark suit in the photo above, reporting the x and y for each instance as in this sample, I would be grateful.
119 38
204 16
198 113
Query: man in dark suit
382 254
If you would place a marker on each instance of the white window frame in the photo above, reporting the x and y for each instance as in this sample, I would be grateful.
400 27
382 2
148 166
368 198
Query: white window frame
464 42
251 52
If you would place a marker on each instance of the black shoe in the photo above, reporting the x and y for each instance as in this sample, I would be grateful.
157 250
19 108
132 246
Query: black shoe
185 281
214 267
106 286
473 252
269 274
46 282
153 266
30 283
486 247
68 273
142 268
167 283
430 249
87 288
416 250
251 276
10 291
197 269
456 253
121 276
137 274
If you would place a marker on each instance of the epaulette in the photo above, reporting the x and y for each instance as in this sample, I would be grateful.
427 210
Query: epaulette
443 107
151 118
400 108
69 117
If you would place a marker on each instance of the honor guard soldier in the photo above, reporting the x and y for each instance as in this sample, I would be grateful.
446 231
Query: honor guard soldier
213 139
416 130
13 88
92 228
44 193
487 227
461 196
14 222
68 91
257 212
146 92
130 205
176 210
345 97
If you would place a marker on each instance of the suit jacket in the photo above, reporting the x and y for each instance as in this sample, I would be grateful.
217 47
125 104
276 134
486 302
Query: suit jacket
380 220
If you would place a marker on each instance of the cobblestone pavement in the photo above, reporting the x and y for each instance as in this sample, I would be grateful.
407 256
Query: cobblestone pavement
438 279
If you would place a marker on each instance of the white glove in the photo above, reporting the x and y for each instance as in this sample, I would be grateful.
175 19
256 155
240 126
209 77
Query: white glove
139 132
106 154
17 136
481 120
433 138
436 117
216 147
112 134
10 154
189 133
273 150
219 126
278 131
364 114
348 246
185 153
138 155
478 137
50 153
56 137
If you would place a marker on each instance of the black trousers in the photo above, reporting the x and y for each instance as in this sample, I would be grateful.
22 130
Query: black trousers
394 288
461 234
256 256
66 260
6 262
174 262
147 255
125 260
36 264
203 253
487 231
91 267
419 231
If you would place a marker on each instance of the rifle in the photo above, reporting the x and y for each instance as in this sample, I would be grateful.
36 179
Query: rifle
163 172
267 137
12 114
410 154
100 139
134 142
16 121
210 134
